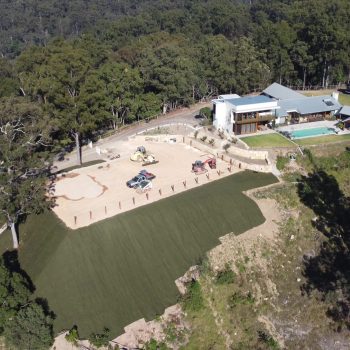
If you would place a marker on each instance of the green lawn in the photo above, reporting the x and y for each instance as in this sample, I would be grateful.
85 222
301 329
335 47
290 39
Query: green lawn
344 99
322 139
119 270
267 141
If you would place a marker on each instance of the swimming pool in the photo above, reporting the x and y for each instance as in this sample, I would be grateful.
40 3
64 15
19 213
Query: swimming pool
298 134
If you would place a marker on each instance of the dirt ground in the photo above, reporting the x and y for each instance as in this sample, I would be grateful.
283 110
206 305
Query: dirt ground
91 194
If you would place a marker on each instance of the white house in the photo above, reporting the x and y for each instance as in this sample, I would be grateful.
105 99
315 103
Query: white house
277 103
243 115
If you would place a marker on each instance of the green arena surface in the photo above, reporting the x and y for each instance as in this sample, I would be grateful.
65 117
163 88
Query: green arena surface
119 270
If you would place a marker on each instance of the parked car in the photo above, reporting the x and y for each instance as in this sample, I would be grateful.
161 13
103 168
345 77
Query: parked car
143 186
149 176
142 176
136 180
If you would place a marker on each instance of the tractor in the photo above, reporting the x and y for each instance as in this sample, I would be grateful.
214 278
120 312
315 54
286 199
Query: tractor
140 155
198 167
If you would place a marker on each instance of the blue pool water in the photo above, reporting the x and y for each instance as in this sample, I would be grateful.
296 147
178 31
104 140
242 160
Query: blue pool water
298 134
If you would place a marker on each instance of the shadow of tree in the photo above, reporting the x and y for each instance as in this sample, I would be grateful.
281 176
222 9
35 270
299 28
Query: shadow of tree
329 271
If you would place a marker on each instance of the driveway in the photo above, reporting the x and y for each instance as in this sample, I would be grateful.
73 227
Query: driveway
183 115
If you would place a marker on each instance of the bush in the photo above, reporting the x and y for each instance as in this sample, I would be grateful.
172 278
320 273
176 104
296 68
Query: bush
240 299
73 335
100 339
211 142
225 276
226 146
267 339
281 162
203 138
154 345
193 299
206 112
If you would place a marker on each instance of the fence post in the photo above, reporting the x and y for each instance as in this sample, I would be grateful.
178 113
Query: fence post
229 169
120 205
219 172
133 200
207 175
160 191
231 161
222 157
172 187
105 209
184 183
75 220
147 196
196 179
90 214
239 165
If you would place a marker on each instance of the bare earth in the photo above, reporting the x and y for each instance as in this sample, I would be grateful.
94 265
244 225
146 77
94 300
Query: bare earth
94 193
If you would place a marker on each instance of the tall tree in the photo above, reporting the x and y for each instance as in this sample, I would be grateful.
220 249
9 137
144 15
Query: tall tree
24 162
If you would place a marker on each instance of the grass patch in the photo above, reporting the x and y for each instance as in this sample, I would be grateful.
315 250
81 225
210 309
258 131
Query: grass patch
322 139
114 272
281 162
344 99
193 299
274 140
84 165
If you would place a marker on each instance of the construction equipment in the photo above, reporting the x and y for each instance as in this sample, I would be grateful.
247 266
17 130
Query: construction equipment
211 162
142 156
198 167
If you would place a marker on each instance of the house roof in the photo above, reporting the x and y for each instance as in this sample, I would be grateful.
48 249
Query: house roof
228 96
345 111
308 105
249 100
281 92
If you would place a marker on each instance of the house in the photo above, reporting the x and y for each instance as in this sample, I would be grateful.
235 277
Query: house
277 105
344 116
243 115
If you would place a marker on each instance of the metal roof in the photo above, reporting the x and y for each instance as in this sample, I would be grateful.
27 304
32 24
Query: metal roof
228 96
308 105
345 110
249 100
281 92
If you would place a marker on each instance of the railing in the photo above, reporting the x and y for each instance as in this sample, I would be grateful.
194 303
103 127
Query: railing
260 118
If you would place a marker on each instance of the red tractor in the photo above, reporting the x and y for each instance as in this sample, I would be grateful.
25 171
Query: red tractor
198 167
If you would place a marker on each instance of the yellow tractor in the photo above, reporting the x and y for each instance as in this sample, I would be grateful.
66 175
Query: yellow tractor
142 156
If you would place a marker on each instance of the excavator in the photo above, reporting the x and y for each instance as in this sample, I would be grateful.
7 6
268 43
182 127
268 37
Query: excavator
140 155
198 167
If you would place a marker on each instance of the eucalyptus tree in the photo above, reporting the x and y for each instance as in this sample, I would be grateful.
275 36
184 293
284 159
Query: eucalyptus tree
24 161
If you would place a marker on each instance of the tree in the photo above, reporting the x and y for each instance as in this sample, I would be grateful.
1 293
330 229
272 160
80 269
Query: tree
29 329
100 339
24 323
24 164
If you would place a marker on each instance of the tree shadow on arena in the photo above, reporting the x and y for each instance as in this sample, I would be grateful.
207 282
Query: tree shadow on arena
329 271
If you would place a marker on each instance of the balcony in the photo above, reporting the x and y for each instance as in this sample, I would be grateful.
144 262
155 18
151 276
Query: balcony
241 119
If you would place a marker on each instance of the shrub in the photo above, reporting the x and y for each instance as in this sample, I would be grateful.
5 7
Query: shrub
221 134
154 345
267 339
238 298
281 162
206 112
225 276
203 138
100 339
73 335
226 146
193 299
211 142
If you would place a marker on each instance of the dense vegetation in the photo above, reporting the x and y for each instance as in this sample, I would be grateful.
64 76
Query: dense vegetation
120 62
